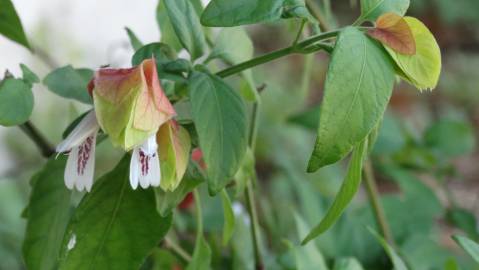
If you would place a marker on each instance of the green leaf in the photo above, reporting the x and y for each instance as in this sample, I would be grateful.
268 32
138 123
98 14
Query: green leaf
298 9
397 262
308 256
346 192
10 24
347 264
228 13
308 119
451 138
358 86
28 75
464 220
372 9
134 40
167 33
471 247
167 201
202 255
16 102
245 173
187 26
423 68
234 46
220 118
229 225
49 211
69 82
114 227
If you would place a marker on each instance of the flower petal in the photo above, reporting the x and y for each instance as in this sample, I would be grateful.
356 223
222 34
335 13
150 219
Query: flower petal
81 165
87 126
145 165
134 168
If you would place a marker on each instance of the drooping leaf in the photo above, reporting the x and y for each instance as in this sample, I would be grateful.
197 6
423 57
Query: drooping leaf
187 26
174 146
373 9
220 119
346 192
358 86
28 75
423 68
114 226
393 31
471 247
347 264
69 82
48 216
396 260
167 201
229 225
10 24
134 40
16 102
226 13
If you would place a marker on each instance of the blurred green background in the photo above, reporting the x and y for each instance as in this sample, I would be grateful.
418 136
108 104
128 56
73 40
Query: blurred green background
425 157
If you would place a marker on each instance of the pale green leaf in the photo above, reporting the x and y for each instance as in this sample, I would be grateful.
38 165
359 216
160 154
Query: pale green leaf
10 24
219 115
358 86
187 26
373 9
346 193
471 247
347 264
69 82
229 225
49 212
396 260
114 226
422 69
16 102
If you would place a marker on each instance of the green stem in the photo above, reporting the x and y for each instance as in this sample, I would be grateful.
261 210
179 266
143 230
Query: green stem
300 31
373 195
32 132
316 12
276 54
177 249
199 213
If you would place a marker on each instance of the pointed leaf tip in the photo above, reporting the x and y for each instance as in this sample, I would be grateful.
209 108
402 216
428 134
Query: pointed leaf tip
393 31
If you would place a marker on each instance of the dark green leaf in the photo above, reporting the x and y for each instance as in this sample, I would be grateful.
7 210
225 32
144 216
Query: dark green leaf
134 40
187 26
10 24
358 86
114 227
16 102
464 220
372 9
167 201
49 211
471 247
346 192
233 13
347 264
69 82
229 225
451 138
28 75
220 119
397 262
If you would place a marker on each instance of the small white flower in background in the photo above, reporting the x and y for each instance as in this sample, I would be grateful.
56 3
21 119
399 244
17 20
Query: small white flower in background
145 164
80 147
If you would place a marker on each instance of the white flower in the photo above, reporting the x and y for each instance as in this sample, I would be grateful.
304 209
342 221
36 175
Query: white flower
80 146
145 164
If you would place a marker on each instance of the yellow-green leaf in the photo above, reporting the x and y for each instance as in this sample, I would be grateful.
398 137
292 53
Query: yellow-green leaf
422 69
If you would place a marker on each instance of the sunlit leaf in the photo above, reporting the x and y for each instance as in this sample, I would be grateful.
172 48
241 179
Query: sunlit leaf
229 225
346 192
396 260
471 247
114 226
69 82
373 9
10 24
393 31
423 68
16 102
358 86
49 212
220 119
